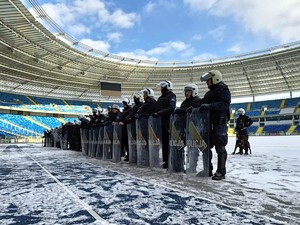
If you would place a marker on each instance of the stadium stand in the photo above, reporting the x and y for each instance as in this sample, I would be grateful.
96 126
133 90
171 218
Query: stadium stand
269 117
35 62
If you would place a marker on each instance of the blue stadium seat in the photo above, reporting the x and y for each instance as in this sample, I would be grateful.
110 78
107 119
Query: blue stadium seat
272 112
276 128
292 102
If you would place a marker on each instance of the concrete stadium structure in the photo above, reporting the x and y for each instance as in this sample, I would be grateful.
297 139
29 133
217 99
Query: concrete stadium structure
35 61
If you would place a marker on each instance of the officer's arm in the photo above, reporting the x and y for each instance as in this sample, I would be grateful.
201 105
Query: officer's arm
170 109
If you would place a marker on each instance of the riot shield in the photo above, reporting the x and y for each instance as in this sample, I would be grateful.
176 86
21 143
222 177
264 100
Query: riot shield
177 142
198 133
64 141
107 142
84 133
155 143
90 141
99 152
131 130
55 137
117 135
93 145
142 141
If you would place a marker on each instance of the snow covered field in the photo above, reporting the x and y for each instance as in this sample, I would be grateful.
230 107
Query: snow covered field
52 186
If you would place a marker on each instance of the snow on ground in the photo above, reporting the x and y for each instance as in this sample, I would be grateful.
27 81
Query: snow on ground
51 186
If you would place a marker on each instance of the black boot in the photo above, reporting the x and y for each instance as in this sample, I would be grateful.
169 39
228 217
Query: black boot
222 157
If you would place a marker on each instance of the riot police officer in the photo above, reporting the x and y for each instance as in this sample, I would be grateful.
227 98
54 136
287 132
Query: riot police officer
166 105
217 101
242 122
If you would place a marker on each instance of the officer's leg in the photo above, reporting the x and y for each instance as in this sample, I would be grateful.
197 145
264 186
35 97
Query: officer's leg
220 140
246 144
165 147
222 157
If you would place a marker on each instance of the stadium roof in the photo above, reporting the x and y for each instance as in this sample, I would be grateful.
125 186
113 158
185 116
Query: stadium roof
35 61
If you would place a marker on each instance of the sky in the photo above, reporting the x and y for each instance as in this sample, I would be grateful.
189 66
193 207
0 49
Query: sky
177 30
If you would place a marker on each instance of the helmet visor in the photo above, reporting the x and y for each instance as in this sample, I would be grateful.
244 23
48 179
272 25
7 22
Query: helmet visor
205 77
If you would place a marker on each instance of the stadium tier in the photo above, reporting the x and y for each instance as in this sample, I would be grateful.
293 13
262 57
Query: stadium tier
47 104
270 117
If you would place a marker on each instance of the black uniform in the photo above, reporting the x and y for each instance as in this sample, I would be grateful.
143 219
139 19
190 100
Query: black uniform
218 99
147 108
166 105
193 102
131 116
124 140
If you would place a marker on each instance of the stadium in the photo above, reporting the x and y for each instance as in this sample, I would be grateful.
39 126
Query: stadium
45 82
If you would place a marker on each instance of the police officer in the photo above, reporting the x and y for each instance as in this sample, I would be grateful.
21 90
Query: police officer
149 106
217 101
84 121
242 122
124 140
138 102
114 114
95 116
192 100
166 105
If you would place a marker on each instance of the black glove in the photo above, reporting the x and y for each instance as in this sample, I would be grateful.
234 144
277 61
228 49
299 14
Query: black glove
204 108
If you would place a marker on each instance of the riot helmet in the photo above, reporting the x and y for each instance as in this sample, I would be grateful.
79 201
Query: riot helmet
191 87
149 92
241 111
165 84
215 75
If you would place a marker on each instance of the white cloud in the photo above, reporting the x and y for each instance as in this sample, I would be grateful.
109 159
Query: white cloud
89 7
79 29
149 7
276 18
218 34
90 13
163 49
123 20
62 14
197 37
204 56
115 37
199 5
169 47
138 54
99 45
235 48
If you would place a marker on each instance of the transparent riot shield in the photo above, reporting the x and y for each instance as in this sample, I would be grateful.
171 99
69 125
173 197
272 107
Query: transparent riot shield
117 136
131 130
55 138
46 142
94 141
99 152
107 141
47 139
64 141
198 133
155 143
90 141
142 141
177 142
61 142
84 133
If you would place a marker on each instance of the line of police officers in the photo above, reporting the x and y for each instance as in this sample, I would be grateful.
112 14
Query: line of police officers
216 101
